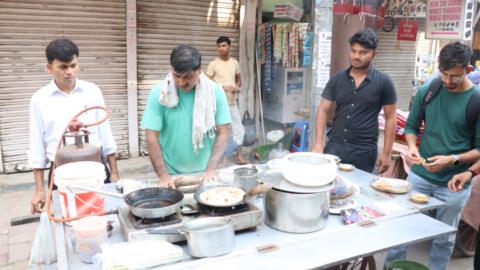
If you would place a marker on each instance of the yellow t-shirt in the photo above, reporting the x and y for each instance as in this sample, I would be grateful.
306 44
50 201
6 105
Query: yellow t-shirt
223 73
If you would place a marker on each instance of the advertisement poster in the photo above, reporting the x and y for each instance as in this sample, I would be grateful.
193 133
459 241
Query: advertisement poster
449 19
324 57
280 10
287 10
407 30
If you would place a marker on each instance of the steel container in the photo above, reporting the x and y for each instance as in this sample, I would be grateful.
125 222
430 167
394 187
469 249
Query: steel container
296 212
206 237
245 179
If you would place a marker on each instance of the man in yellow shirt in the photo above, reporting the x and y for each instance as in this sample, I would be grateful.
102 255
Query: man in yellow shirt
226 71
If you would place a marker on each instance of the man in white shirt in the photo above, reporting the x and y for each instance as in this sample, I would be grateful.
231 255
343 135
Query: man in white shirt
52 107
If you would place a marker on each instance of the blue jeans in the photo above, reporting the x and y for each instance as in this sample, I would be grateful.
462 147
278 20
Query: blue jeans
231 147
450 214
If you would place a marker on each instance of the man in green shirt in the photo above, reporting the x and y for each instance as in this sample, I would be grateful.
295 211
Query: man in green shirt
186 108
444 147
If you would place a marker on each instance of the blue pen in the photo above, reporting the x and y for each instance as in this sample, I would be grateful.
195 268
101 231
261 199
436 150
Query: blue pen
85 108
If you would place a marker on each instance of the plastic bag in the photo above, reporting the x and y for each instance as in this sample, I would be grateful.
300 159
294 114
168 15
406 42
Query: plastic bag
44 249
138 255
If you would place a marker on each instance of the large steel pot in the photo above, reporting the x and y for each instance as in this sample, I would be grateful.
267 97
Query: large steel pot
296 212
206 237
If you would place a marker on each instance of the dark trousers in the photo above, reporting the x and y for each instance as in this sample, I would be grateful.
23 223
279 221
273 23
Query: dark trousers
476 260
364 161
107 171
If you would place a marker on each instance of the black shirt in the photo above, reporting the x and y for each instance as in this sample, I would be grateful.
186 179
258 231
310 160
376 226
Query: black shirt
355 125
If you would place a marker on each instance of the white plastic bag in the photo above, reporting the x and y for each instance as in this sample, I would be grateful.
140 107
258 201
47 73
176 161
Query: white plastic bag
138 255
274 136
44 249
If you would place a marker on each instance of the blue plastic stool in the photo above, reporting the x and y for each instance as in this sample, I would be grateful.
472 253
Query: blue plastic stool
300 136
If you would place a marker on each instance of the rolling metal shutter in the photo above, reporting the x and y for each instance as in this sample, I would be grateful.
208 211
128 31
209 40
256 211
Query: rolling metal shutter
400 64
26 27
164 24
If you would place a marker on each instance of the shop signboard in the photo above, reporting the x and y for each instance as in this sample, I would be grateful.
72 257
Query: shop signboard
407 30
449 19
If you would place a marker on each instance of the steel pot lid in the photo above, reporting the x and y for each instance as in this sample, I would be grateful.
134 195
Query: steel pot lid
276 180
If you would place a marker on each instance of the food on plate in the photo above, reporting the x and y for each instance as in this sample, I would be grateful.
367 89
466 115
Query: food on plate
223 196
382 184
346 167
420 196
421 160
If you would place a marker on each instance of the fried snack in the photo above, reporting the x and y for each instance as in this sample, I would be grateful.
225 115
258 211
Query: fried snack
383 184
421 160
223 196
420 196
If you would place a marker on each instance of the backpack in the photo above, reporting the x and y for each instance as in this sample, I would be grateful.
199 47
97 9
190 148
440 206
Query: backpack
471 113
250 130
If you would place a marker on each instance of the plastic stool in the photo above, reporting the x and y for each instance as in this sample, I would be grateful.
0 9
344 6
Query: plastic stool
407 265
300 136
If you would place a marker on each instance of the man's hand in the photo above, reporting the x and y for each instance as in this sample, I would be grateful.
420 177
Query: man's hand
317 148
239 89
38 198
438 164
413 155
383 163
114 177
231 89
209 176
168 181
458 181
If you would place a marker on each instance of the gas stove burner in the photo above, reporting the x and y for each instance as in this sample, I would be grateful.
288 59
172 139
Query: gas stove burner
222 211
144 223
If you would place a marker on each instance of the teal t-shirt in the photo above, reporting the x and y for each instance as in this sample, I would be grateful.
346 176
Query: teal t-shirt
175 126
446 132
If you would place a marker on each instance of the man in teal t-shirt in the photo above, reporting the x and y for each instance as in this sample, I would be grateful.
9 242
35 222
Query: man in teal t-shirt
169 129
445 147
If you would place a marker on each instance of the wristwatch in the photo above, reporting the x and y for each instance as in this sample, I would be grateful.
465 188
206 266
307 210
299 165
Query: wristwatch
456 160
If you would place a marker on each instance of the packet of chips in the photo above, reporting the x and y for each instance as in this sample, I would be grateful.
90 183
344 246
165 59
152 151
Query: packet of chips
358 214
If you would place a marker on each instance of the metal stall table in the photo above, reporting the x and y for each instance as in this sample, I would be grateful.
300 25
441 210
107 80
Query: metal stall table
337 243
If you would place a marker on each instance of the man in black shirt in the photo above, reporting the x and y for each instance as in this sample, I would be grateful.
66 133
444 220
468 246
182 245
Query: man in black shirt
360 92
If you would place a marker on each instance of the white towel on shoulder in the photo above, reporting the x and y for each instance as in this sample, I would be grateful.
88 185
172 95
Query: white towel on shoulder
204 107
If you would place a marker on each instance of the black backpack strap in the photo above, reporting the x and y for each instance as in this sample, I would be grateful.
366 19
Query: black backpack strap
246 114
433 90
472 113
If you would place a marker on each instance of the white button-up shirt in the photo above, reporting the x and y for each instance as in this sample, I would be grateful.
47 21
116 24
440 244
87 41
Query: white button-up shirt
51 110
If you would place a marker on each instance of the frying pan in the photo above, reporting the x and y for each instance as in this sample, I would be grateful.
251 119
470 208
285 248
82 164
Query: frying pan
154 202
196 196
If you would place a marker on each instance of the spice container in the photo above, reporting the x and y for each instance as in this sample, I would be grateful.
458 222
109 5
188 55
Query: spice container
91 232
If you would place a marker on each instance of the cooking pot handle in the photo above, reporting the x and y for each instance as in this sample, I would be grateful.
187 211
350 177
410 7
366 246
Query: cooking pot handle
157 231
96 190
259 189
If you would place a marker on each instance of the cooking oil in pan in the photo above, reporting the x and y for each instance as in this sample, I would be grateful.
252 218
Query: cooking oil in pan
153 204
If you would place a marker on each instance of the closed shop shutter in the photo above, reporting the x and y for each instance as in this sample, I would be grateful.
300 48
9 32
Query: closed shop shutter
400 64
26 27
164 24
